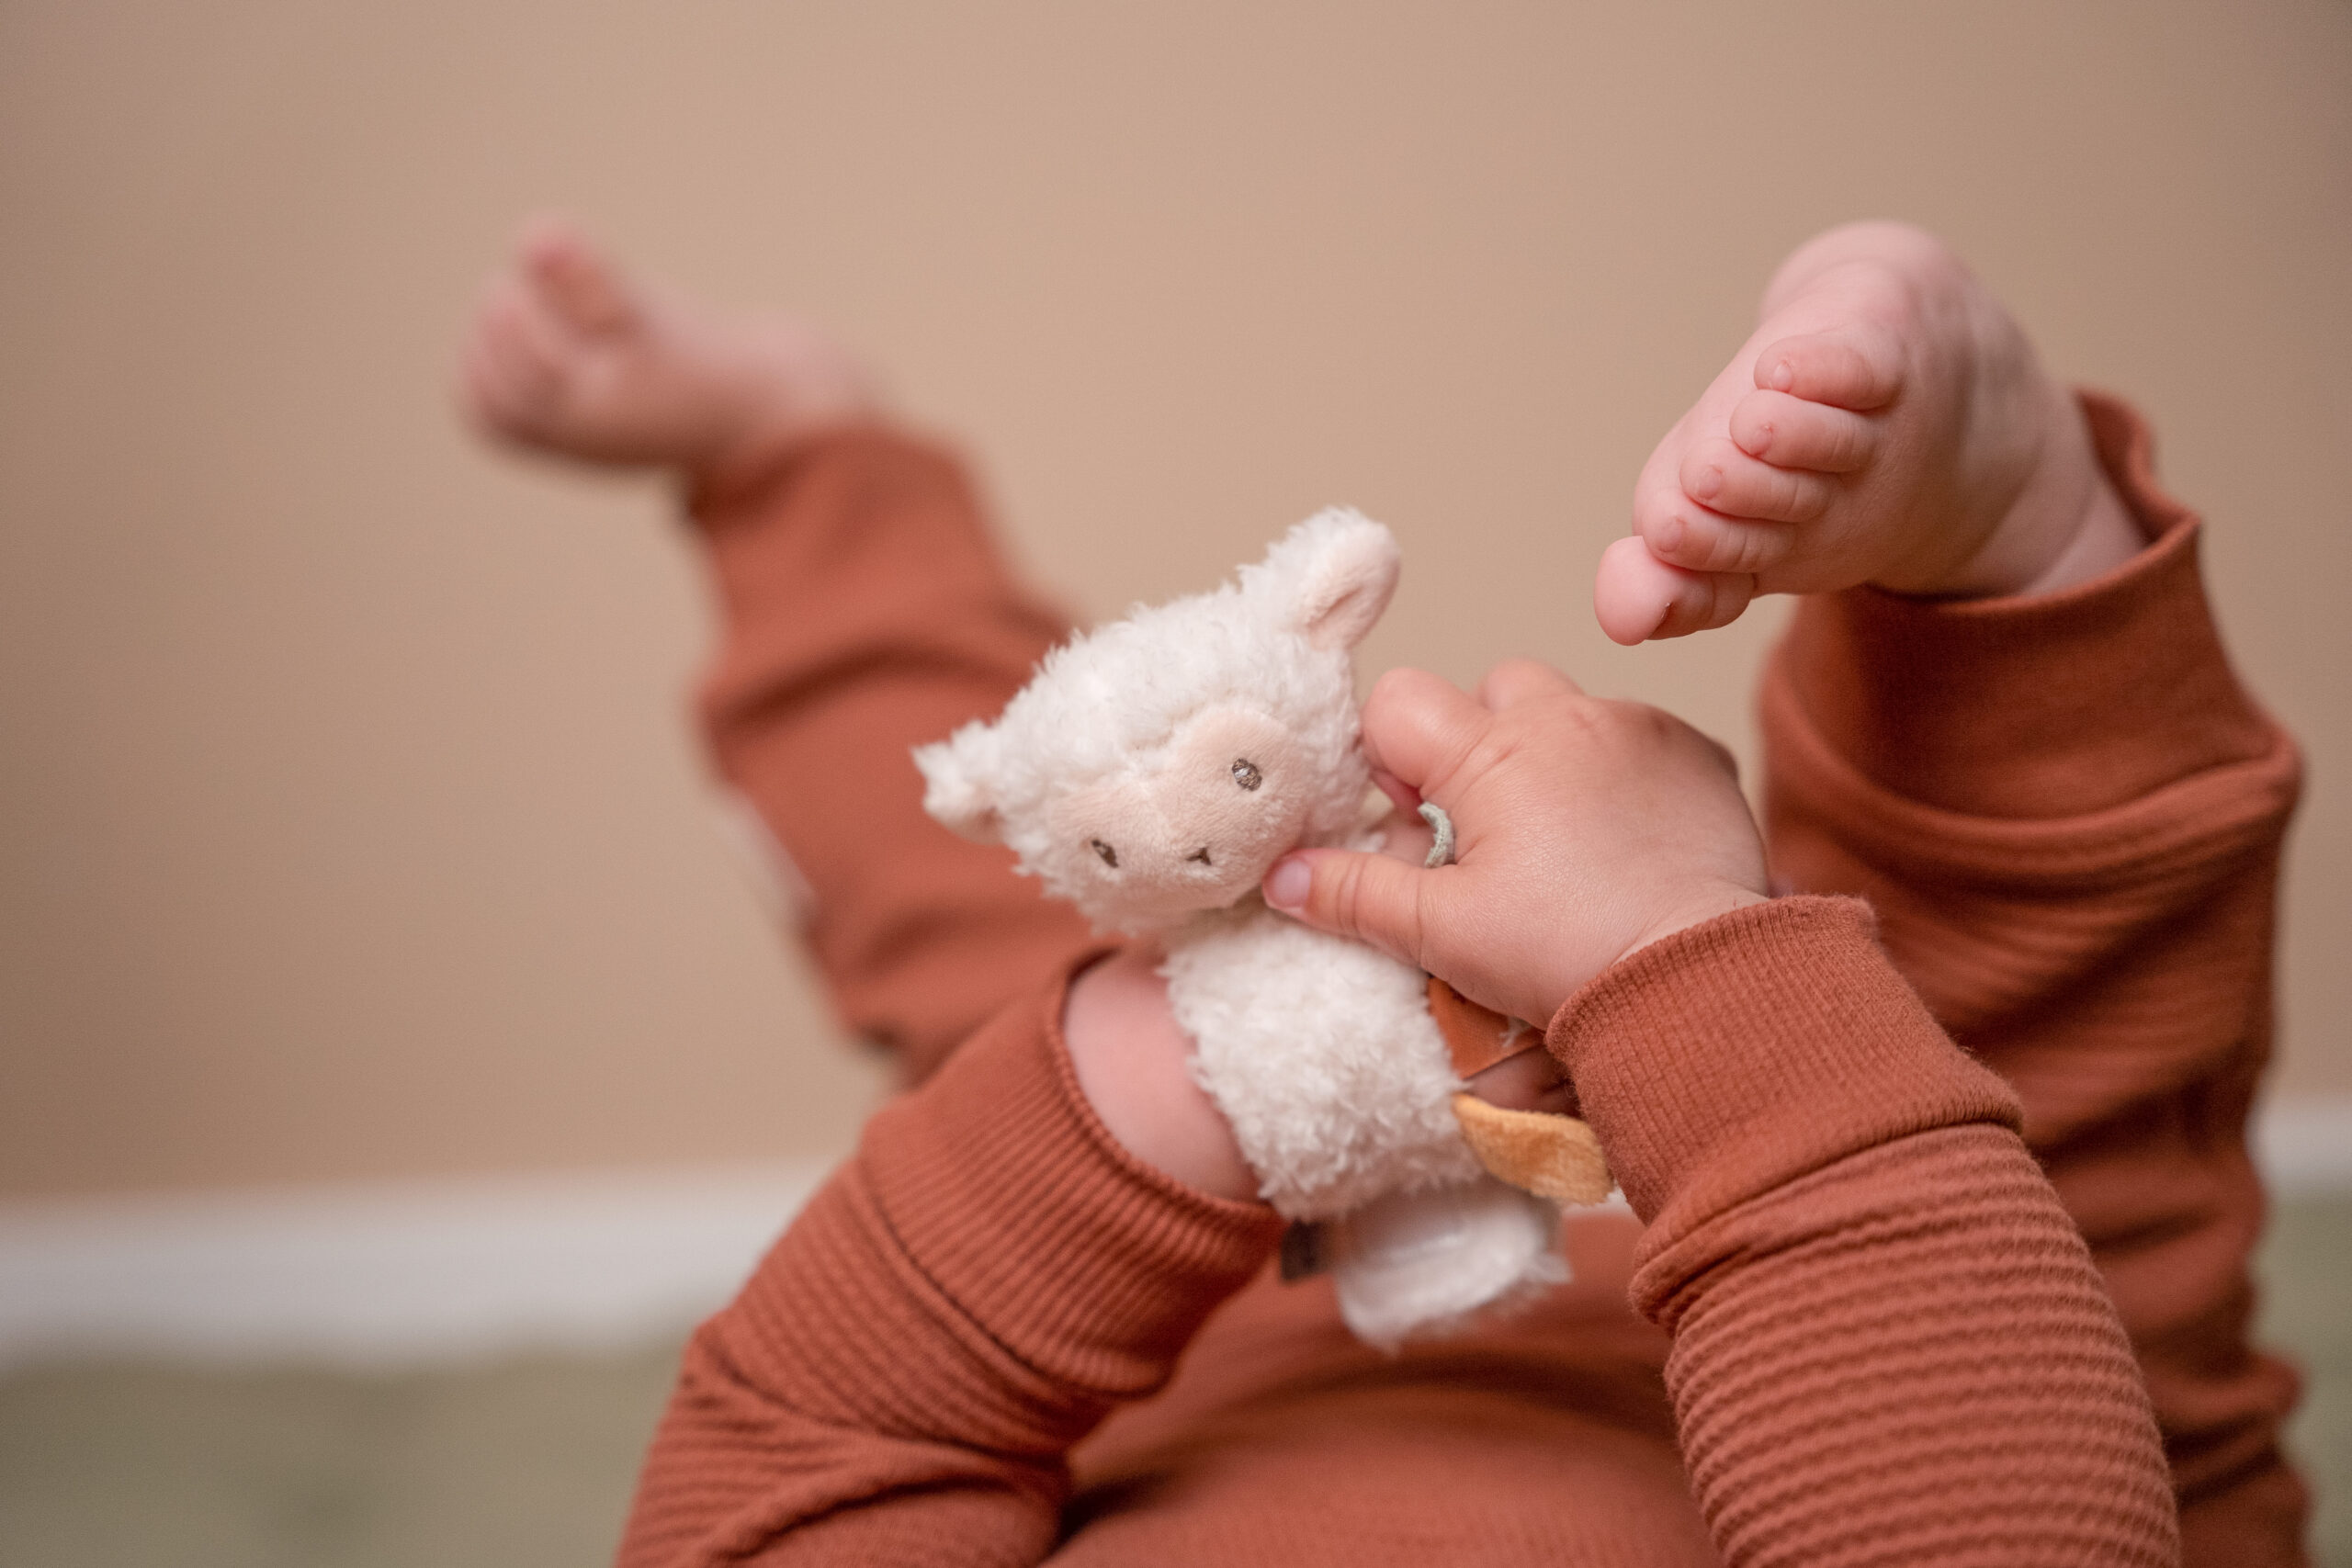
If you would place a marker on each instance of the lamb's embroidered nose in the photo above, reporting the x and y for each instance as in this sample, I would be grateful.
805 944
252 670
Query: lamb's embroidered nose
1201 854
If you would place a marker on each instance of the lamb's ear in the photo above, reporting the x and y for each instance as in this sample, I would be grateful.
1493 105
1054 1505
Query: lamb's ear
959 781
1336 572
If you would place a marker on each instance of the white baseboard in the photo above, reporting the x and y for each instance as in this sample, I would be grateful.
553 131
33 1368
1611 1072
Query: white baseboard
385 1275
2304 1147
431 1273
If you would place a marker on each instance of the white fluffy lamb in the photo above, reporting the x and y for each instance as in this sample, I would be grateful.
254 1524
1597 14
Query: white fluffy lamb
1151 772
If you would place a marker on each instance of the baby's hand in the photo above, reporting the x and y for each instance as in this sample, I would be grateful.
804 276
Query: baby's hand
1584 829
1134 1063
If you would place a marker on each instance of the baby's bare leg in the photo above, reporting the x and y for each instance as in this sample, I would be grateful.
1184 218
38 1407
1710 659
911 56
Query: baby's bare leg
1887 424
570 356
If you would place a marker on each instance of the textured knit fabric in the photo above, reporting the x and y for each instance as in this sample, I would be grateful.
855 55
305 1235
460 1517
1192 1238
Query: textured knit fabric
2067 813
1875 1329
986 1278
1889 1344
867 612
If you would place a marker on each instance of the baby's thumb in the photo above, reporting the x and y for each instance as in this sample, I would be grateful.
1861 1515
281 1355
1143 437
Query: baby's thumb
1373 898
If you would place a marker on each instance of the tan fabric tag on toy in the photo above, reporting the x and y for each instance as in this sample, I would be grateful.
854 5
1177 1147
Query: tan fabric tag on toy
1477 1037
1551 1157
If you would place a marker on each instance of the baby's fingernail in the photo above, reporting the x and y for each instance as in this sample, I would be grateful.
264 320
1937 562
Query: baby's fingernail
1288 883
1708 482
1782 377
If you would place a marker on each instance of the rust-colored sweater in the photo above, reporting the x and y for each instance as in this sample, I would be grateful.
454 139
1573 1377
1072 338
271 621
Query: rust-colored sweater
1849 1319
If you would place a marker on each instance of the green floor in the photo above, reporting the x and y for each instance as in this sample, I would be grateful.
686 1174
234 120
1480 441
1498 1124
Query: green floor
530 1463
2307 1313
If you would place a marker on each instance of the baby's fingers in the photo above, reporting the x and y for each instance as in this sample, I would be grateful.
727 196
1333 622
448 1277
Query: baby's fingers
1517 680
1417 728
1371 898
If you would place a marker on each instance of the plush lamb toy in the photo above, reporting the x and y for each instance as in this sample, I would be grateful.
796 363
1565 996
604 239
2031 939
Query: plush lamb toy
1151 773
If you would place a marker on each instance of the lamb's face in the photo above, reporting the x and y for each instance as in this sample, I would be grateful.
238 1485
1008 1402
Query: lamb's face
1191 826
1159 766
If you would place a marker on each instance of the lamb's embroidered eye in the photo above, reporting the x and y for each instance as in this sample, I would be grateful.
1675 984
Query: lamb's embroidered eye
1246 774
1110 856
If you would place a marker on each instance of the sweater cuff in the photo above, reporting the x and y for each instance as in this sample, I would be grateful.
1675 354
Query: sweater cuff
829 528
2032 707
1014 1201
1746 1051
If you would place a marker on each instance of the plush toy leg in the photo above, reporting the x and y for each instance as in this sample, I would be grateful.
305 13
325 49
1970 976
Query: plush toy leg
1556 1156
1424 1261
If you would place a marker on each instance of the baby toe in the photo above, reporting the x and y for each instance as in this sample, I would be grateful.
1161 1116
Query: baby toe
1681 532
1725 479
1704 601
501 392
1637 597
1632 592
578 285
536 345
1789 432
1846 369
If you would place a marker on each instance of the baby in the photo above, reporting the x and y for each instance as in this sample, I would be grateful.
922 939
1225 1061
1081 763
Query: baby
1863 1321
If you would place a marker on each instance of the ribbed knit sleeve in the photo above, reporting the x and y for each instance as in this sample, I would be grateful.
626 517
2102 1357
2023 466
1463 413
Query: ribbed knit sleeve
1889 1343
898 1382
865 611
2067 814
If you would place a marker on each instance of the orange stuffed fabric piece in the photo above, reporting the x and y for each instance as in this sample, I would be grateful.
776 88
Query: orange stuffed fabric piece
1551 1156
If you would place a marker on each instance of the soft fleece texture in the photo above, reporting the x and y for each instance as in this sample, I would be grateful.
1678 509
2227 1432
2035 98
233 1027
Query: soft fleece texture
1104 709
1126 759
1857 1300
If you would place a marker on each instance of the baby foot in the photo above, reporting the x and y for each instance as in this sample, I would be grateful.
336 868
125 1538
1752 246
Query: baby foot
570 355
1888 423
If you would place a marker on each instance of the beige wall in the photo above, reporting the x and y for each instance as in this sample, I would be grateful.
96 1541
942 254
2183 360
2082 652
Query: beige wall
348 821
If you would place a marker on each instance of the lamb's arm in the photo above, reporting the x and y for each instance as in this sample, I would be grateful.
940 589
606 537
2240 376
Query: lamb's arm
1889 1343
902 1376
2067 813
866 611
